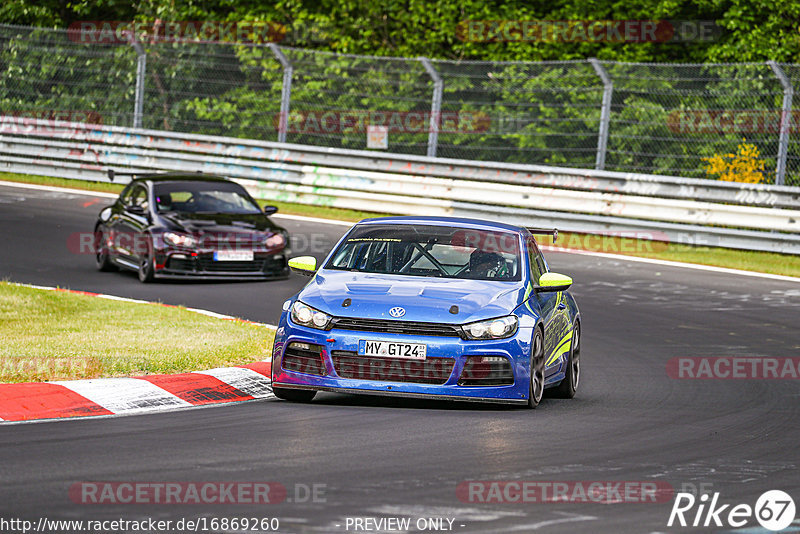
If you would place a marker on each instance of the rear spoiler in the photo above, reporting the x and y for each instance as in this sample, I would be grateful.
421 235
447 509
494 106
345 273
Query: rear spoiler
544 231
112 173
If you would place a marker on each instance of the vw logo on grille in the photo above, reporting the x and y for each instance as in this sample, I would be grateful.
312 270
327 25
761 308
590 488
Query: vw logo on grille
397 312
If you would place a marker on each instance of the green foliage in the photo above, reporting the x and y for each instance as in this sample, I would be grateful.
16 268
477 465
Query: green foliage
754 30
544 113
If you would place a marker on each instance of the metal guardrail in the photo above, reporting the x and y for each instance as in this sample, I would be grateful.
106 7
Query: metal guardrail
691 211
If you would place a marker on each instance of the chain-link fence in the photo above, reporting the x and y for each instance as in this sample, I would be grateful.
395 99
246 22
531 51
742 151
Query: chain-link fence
667 119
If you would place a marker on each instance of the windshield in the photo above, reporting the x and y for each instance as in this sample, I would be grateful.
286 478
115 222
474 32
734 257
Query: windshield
203 197
439 251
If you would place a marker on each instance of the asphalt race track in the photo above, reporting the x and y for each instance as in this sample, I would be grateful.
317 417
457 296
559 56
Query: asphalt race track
380 458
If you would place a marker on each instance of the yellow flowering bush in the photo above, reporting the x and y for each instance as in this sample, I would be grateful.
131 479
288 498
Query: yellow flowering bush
744 166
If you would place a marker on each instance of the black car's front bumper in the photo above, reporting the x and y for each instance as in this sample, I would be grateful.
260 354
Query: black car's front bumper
202 265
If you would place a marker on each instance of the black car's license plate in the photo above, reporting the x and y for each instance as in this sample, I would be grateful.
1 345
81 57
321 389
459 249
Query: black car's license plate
233 255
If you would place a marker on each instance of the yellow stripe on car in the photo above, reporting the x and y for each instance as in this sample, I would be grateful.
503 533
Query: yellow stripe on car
528 291
563 346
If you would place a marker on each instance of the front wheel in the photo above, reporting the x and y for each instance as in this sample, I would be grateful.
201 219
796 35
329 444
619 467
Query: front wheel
101 254
567 388
146 267
536 389
294 395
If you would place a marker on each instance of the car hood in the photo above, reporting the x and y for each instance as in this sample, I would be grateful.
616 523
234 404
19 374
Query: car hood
424 299
198 223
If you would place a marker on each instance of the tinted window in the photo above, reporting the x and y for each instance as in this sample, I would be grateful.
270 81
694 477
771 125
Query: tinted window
139 197
125 197
536 259
203 197
439 251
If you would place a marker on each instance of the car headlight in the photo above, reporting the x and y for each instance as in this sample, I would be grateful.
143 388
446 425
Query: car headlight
492 329
180 240
308 316
275 241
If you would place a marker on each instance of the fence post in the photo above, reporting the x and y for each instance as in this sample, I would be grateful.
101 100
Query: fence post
286 91
436 105
141 71
605 114
786 116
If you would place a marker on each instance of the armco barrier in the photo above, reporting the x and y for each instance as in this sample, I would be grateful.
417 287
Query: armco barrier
691 211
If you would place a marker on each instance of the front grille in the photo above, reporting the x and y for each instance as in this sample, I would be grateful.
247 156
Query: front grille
227 243
206 263
429 371
486 371
178 264
303 358
275 263
384 326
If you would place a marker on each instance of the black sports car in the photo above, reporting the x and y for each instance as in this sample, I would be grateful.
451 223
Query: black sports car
190 225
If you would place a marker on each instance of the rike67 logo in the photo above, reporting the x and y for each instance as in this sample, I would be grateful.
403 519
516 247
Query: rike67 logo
774 510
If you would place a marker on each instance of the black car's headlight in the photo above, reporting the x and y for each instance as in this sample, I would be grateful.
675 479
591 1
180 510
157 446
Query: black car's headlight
492 329
308 316
179 240
275 241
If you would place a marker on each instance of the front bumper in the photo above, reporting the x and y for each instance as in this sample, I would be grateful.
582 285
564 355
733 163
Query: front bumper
176 264
454 352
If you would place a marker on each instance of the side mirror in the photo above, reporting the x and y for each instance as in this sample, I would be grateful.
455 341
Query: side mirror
554 282
270 210
305 265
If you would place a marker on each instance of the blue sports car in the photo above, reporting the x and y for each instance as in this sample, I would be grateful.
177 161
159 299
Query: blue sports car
431 307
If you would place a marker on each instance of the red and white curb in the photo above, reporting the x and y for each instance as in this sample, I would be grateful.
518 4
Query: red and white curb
126 396
141 394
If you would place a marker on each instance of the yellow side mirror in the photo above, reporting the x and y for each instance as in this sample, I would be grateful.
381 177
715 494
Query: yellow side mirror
305 265
554 282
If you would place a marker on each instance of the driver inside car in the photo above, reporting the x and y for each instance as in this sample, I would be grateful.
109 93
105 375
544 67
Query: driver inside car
483 265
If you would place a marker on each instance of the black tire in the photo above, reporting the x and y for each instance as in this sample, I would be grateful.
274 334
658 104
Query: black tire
294 395
101 256
569 386
146 267
536 388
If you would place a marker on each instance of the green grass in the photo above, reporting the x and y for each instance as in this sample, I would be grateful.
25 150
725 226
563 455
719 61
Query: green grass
54 335
766 262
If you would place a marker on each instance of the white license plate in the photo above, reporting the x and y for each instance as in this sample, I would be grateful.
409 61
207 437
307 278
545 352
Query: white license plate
390 349
233 255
